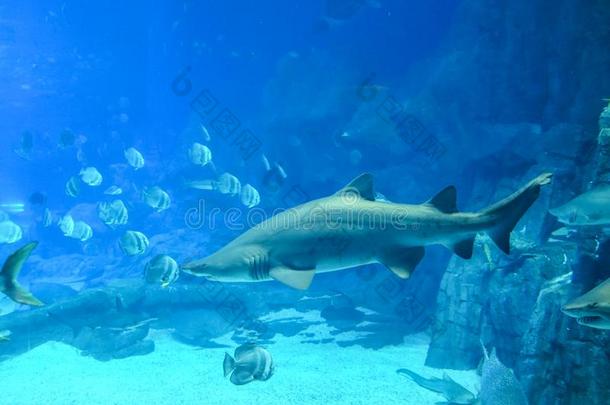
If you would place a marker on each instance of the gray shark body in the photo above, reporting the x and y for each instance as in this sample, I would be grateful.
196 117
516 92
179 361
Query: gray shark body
592 308
454 393
350 229
589 208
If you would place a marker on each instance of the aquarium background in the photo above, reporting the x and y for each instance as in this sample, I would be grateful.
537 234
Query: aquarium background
483 95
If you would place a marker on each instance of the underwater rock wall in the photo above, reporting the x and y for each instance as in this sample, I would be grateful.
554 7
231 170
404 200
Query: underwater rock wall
514 302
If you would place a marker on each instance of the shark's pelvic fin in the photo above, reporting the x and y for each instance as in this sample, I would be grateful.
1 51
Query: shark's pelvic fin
362 186
402 261
445 201
464 248
10 272
300 279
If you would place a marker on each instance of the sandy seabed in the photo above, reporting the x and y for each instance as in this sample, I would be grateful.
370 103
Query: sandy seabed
175 373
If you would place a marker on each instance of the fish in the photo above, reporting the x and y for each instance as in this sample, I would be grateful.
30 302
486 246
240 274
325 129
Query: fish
274 176
250 362
226 184
13 208
453 392
161 269
66 139
589 208
91 176
5 335
47 218
498 382
250 196
81 231
591 309
113 213
66 224
350 229
156 198
26 144
38 198
73 187
113 190
134 158
10 232
199 154
133 243
205 133
9 285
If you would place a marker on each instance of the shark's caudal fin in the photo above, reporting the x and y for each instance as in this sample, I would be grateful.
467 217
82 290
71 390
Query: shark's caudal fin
510 210
10 272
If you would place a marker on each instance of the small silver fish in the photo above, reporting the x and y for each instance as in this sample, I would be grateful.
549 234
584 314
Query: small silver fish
226 184
161 269
133 243
134 158
47 218
251 363
250 196
91 176
113 190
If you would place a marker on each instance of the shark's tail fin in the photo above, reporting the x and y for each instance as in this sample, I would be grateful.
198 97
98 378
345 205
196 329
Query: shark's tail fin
510 210
228 364
10 272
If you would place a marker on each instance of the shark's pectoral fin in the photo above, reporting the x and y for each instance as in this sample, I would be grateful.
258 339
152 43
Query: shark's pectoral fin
300 279
464 248
402 261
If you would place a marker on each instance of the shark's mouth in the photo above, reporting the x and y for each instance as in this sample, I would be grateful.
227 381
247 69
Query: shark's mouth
586 320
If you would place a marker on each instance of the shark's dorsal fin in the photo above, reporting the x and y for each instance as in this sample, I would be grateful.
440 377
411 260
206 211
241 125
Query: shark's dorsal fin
361 186
299 279
445 201
402 261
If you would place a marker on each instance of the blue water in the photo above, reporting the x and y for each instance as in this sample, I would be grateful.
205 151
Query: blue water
298 98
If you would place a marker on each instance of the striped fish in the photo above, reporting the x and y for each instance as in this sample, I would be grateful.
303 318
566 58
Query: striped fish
133 243
199 154
250 196
161 269
81 231
73 187
251 363
113 213
134 158
91 176
66 224
156 198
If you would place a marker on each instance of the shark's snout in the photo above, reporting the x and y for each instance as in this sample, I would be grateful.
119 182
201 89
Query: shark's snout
195 268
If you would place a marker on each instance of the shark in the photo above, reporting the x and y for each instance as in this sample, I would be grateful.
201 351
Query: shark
350 228
454 393
587 209
592 308
10 271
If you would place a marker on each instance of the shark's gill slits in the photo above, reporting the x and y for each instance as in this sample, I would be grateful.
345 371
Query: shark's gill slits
259 267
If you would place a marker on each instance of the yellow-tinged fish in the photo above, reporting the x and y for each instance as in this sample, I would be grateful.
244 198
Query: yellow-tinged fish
161 269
